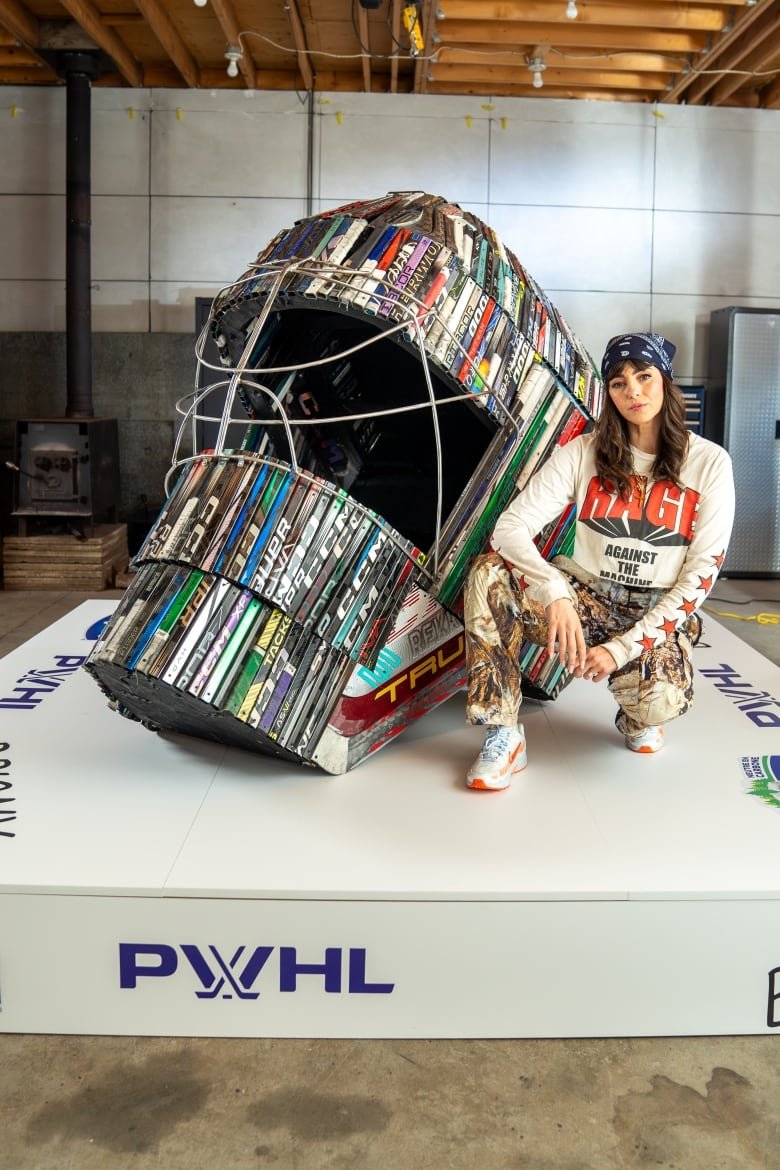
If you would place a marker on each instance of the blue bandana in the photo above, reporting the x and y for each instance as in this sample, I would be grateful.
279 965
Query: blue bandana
646 347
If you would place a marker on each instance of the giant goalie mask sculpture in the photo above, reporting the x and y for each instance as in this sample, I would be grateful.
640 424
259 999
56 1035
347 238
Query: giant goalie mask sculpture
389 375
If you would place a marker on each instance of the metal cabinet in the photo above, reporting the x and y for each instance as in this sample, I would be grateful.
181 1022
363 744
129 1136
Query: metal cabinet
743 414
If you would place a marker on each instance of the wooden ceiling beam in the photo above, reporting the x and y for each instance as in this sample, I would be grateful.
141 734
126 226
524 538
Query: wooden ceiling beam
642 62
395 27
610 79
549 91
664 14
507 33
160 24
17 55
694 85
228 22
769 98
24 31
299 37
164 77
764 56
115 19
26 75
428 24
749 52
365 60
90 21
332 82
20 22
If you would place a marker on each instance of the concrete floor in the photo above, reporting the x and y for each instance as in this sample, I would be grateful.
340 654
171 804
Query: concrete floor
88 1103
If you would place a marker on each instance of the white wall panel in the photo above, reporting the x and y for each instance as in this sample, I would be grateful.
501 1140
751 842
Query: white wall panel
213 239
32 237
28 306
716 119
229 103
250 153
597 316
120 306
722 255
733 167
571 113
120 237
481 210
686 320
33 144
172 304
120 152
549 164
588 248
366 154
711 227
32 141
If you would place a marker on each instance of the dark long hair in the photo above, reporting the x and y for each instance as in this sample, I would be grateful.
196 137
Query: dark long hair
614 462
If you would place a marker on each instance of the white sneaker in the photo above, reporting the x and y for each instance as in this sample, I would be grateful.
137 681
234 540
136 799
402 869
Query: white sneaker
503 752
649 739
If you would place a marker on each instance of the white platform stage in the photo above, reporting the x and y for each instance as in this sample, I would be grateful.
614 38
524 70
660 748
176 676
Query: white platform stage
161 885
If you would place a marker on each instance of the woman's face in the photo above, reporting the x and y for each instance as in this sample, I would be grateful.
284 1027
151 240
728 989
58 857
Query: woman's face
638 395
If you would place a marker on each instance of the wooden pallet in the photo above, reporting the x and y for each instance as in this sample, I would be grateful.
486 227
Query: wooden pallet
66 562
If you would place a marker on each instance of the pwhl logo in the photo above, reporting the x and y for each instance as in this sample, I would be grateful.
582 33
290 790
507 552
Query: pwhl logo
762 774
33 687
224 976
36 685
761 707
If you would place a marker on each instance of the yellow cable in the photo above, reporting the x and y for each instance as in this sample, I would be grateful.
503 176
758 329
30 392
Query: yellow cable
763 619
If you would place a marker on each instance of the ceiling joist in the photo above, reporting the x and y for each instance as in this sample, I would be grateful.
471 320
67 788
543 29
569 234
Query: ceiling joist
89 19
161 25
225 14
20 22
299 36
507 33
699 52
660 14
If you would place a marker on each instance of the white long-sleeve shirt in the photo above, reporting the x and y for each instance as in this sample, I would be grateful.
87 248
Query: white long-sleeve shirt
662 537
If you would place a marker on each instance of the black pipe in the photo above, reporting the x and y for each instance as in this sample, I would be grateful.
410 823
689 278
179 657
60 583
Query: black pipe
78 243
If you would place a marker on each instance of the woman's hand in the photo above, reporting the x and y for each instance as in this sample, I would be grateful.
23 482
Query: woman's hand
599 664
565 639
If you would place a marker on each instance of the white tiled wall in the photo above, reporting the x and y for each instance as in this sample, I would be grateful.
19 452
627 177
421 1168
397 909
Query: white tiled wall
630 216
212 238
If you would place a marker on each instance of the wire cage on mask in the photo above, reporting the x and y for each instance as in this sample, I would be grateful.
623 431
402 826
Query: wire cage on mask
388 374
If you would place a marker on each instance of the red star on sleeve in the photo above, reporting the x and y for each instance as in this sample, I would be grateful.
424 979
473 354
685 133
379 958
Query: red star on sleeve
668 626
688 607
705 583
718 561
647 643
522 584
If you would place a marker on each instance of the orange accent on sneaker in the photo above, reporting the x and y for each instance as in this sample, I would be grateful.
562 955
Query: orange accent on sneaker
647 742
497 776
479 785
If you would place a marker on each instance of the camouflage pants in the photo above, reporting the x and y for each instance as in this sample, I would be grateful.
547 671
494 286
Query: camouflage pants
498 616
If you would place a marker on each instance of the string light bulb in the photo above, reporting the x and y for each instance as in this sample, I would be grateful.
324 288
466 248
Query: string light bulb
571 10
232 56
536 65
200 3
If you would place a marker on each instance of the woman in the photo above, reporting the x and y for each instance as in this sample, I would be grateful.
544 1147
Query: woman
655 506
